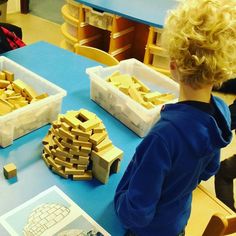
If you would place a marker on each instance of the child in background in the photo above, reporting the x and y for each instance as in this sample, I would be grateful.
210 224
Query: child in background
224 179
154 196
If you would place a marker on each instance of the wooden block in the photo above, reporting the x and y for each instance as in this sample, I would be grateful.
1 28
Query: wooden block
21 103
124 89
134 94
70 146
47 149
63 153
63 163
73 171
89 124
83 161
101 174
107 158
53 153
30 92
18 85
98 137
10 93
5 107
72 113
9 170
95 154
4 83
165 97
86 115
42 96
115 84
72 121
58 143
65 126
46 160
65 134
84 154
82 143
62 158
83 139
104 144
149 97
56 124
85 149
99 129
82 167
9 75
148 105
74 160
86 176
137 86
2 76
53 163
115 73
46 140
79 132
123 79
74 153
143 88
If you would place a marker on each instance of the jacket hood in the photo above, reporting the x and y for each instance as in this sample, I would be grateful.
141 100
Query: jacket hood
191 122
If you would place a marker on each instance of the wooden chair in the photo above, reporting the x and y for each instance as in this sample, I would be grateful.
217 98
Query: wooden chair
96 54
220 225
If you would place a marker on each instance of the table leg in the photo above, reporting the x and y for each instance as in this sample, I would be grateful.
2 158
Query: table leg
24 6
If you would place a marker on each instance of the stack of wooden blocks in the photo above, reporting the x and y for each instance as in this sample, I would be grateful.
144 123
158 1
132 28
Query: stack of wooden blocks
15 93
138 91
77 146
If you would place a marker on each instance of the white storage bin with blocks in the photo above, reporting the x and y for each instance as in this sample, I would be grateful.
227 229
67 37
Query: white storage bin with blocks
131 113
32 116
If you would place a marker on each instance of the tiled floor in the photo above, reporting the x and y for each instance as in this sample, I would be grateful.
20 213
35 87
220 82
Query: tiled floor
37 29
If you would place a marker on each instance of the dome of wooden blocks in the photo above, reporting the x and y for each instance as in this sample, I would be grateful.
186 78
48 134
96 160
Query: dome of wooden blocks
77 146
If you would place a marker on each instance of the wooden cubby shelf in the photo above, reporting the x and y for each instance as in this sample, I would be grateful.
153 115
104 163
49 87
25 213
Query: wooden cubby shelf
123 38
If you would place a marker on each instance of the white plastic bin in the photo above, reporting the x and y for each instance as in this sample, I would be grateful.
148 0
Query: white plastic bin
132 114
28 118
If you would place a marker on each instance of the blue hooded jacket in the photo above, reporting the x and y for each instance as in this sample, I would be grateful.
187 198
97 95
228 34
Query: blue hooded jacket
154 196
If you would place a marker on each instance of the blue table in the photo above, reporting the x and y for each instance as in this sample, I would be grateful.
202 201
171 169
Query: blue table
68 71
150 12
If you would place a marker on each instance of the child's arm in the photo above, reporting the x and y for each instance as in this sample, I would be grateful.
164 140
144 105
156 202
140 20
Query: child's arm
136 200
211 168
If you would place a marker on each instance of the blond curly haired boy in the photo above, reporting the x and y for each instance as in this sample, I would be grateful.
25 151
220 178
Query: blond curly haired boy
154 195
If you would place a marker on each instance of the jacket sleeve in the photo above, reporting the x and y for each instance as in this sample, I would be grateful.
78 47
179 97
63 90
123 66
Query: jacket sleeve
139 190
212 167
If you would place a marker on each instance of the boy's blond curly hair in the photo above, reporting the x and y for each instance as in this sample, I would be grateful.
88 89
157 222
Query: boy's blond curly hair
201 36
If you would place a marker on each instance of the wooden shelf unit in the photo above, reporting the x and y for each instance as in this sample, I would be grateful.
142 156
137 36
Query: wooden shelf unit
123 38
155 56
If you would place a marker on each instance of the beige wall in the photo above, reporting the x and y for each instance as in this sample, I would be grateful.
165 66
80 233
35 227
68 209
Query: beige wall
13 6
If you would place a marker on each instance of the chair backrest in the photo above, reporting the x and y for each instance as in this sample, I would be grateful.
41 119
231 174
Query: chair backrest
220 225
96 54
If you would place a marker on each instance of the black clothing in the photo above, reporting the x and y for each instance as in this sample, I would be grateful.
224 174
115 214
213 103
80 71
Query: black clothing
224 181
